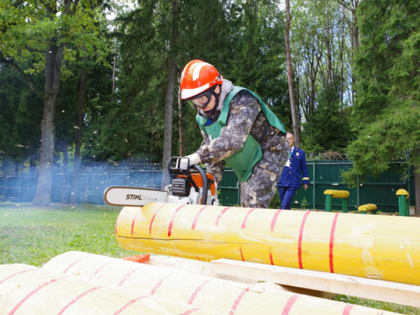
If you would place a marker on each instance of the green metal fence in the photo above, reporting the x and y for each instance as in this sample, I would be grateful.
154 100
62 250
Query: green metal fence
229 190
324 175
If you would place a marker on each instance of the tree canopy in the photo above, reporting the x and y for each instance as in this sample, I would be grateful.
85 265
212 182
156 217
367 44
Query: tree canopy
386 115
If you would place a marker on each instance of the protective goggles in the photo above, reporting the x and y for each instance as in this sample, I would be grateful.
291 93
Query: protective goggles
201 100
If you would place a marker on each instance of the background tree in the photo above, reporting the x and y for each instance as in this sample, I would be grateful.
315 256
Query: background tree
221 32
329 127
386 115
321 49
44 31
295 120
20 118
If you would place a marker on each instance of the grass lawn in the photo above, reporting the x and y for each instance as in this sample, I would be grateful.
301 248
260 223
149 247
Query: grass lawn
33 236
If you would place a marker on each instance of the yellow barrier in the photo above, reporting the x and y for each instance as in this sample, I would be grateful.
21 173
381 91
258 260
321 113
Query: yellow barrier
337 193
380 247
403 192
369 207
340 194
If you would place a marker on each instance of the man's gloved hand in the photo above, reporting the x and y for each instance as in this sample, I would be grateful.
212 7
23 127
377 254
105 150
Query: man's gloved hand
185 162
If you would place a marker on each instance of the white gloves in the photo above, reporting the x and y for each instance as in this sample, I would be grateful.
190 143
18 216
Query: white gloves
185 162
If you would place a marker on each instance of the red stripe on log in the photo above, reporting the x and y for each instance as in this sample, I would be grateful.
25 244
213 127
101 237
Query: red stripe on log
132 223
171 223
72 264
198 289
238 299
196 217
246 218
220 215
30 294
153 218
190 311
289 304
302 225
129 303
273 222
347 309
15 274
331 252
271 258
242 254
153 291
97 270
77 298
126 276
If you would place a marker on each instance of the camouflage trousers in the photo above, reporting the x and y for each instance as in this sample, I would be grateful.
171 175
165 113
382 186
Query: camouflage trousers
261 187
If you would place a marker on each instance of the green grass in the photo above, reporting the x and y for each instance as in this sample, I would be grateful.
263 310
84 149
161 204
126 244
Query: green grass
33 236
380 305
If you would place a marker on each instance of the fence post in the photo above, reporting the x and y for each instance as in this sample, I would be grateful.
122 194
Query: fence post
328 202
358 193
403 196
344 206
314 186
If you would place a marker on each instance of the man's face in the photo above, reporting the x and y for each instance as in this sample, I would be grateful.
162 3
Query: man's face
206 101
290 138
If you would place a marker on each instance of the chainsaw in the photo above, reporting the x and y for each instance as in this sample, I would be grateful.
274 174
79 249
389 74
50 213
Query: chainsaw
189 185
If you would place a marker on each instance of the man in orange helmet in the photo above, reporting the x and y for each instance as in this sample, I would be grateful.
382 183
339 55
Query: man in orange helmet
238 129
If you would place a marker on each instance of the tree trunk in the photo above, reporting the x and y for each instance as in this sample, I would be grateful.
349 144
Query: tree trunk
352 7
169 97
341 54
417 190
78 136
312 98
53 58
329 58
355 41
355 28
296 129
167 138
180 132
114 68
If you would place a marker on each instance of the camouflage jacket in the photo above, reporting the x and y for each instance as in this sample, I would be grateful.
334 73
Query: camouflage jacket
245 117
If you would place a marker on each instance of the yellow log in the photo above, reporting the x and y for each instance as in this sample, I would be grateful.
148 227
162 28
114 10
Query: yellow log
29 290
379 247
197 290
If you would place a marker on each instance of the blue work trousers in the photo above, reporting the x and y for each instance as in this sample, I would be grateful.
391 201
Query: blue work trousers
286 196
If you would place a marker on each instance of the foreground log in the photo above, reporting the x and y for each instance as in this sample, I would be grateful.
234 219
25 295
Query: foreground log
378 247
204 292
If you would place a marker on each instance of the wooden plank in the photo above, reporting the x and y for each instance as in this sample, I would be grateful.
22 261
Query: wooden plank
380 290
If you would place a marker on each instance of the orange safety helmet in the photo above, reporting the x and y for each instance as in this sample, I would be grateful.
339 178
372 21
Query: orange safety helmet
197 77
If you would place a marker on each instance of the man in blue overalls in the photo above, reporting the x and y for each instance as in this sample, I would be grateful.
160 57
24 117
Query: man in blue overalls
294 172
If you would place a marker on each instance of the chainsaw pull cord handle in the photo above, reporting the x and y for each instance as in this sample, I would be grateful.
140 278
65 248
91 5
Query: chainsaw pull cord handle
205 184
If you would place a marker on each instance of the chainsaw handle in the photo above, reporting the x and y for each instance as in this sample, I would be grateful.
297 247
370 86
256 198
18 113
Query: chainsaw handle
205 184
